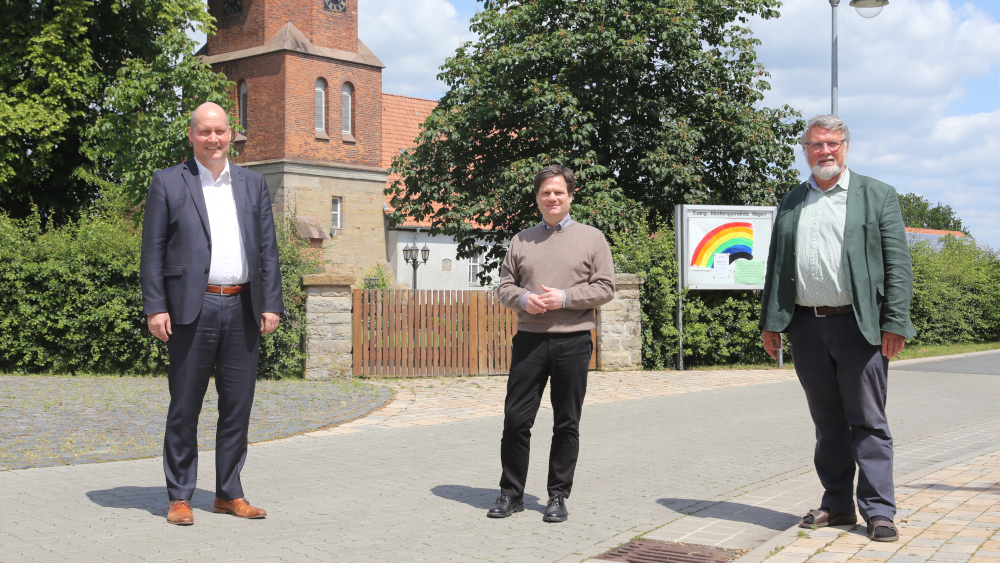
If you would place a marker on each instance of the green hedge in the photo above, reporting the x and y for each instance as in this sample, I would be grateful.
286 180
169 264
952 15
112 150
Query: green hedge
956 299
956 293
70 300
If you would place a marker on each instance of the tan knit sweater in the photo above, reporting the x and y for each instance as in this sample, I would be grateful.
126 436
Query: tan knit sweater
576 259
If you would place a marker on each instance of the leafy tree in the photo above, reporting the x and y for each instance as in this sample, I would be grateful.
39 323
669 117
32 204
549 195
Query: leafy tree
918 213
652 102
67 64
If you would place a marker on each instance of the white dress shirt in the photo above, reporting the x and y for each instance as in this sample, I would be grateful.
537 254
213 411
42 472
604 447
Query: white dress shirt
229 260
820 280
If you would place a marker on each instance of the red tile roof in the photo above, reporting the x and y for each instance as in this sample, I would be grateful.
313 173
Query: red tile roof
402 117
934 232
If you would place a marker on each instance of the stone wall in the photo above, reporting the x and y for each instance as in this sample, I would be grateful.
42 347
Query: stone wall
619 327
328 328
307 189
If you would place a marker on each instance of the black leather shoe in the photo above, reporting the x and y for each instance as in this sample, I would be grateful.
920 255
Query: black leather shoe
555 510
505 506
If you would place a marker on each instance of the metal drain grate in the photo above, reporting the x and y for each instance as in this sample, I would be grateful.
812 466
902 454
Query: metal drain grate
645 551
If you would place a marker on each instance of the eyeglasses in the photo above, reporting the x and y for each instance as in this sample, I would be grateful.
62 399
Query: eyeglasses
834 146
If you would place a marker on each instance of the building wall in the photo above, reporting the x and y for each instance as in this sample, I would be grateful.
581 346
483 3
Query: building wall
266 105
262 19
307 189
281 119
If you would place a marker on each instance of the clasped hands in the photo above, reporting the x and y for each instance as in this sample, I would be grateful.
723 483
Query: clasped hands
159 324
551 300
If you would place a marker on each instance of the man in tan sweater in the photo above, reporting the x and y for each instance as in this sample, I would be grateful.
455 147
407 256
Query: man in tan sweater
555 275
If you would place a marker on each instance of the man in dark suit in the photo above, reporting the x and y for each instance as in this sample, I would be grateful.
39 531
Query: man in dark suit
839 279
210 288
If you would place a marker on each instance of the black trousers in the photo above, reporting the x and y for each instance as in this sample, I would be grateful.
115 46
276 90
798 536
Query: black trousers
845 381
537 357
225 337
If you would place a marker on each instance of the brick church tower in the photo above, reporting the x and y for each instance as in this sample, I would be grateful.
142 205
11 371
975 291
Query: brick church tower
309 97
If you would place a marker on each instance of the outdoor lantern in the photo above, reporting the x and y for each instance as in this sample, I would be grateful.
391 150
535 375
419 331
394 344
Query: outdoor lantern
408 252
868 8
425 252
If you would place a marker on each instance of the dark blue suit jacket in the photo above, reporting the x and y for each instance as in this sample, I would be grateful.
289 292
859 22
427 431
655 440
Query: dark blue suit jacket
177 243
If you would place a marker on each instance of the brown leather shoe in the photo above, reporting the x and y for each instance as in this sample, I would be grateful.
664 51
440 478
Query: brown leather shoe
822 517
238 507
179 513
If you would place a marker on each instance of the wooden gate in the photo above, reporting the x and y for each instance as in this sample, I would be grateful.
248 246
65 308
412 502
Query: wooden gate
431 332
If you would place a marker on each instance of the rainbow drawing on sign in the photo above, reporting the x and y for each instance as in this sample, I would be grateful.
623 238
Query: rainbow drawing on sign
734 239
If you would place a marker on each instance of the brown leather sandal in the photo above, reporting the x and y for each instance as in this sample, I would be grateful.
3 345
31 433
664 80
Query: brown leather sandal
822 517
876 524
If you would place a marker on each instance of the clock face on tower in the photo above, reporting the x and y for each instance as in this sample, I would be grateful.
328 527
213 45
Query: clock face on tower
335 5
230 7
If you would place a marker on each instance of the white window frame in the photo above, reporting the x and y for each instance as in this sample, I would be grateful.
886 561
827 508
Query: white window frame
346 109
475 265
337 214
320 104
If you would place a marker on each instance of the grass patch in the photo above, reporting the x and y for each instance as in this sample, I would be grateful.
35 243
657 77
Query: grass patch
911 352
908 353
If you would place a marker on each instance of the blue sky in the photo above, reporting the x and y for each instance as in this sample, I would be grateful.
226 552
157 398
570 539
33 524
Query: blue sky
919 84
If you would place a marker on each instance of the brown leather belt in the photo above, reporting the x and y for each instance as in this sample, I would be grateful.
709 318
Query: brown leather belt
225 289
824 311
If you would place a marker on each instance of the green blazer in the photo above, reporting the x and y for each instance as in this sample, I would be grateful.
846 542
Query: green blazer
876 261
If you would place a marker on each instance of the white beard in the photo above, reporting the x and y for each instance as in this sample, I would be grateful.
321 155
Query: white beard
827 172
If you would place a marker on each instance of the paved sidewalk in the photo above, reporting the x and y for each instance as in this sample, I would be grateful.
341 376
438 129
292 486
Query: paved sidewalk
949 515
715 458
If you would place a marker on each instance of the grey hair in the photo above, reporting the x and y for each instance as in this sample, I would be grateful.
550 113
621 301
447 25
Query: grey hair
829 122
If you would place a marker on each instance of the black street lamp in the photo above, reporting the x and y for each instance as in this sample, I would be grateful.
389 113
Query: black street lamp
410 255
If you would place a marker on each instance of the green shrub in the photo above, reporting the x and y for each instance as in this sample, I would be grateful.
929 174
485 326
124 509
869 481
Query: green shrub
71 302
281 354
956 292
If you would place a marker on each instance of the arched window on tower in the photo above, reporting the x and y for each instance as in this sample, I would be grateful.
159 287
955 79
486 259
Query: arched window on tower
243 110
347 112
321 109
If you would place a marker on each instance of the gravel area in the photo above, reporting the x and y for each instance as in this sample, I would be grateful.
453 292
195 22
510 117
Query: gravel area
53 420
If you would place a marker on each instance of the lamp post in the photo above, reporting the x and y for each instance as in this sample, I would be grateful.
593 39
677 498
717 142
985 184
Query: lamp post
865 9
410 255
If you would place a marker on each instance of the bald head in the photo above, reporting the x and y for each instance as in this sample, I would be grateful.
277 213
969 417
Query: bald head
209 134
206 109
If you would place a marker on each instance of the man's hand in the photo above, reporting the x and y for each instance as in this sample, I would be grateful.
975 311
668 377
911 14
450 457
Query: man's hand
552 298
159 325
772 342
268 323
533 304
892 344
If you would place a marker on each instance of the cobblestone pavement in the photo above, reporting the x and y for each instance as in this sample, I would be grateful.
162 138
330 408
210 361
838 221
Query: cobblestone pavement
714 458
58 420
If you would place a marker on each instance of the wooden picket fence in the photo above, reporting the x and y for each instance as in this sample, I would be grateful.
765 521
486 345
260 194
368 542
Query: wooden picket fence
430 332
425 332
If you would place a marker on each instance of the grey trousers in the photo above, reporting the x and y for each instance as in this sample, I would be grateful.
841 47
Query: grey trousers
844 378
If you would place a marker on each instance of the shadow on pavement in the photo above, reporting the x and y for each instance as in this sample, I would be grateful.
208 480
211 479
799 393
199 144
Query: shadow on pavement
151 499
732 512
479 498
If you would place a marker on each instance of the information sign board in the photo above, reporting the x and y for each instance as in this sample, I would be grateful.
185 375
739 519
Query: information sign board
723 246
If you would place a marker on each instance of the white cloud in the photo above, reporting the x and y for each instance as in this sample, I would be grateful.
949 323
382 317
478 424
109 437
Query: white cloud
413 38
899 74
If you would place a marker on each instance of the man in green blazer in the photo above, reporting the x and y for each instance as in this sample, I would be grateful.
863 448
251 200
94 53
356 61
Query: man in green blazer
839 281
